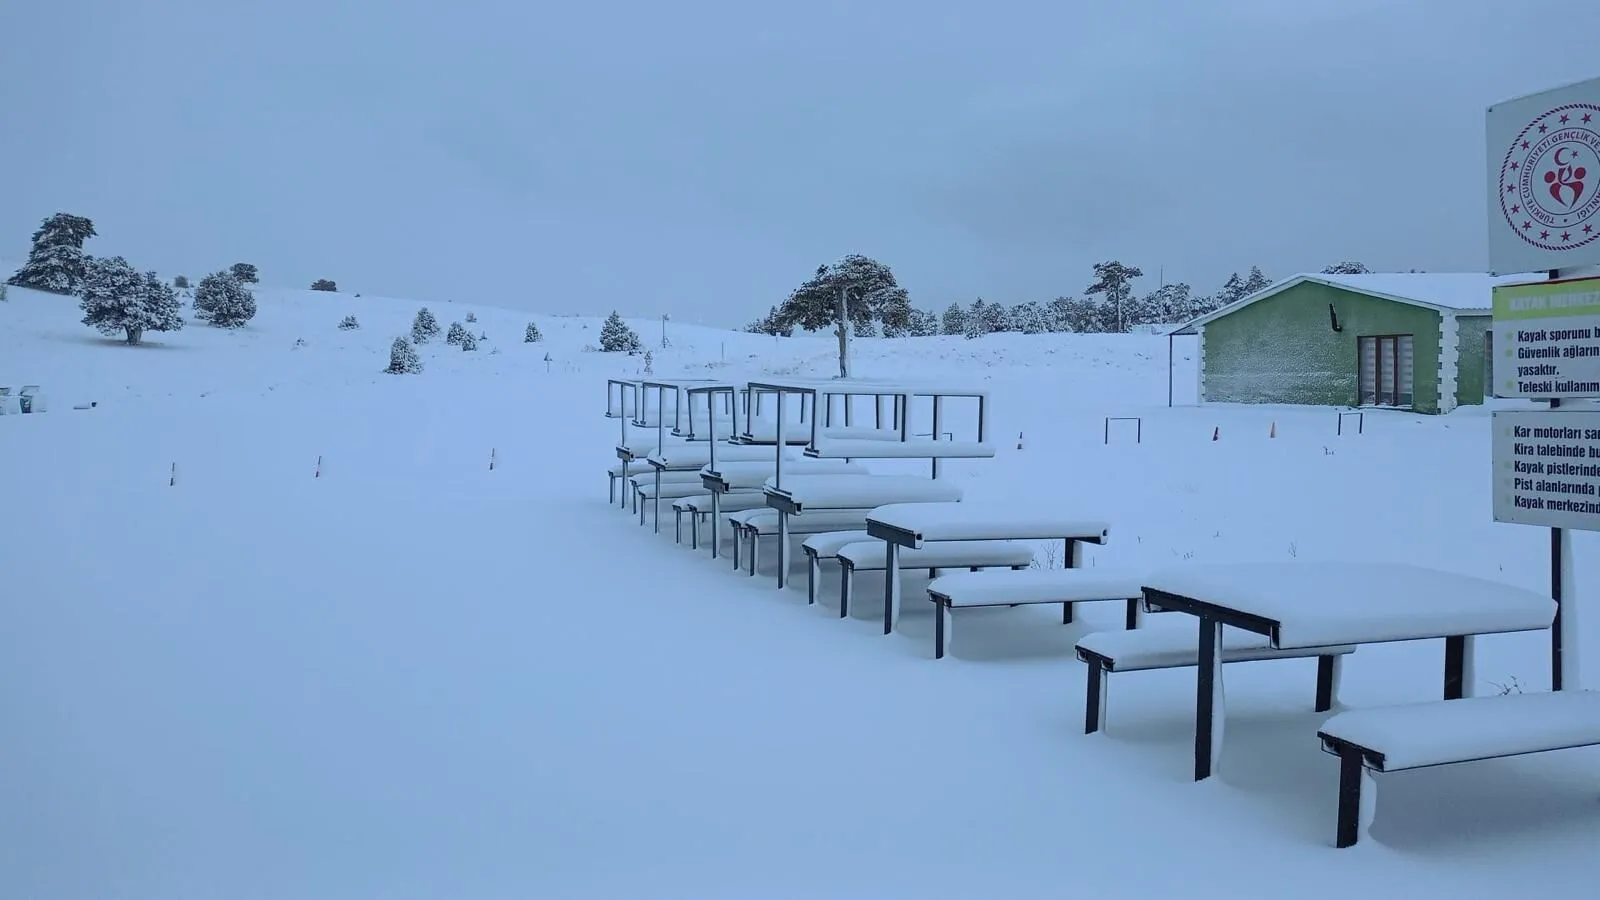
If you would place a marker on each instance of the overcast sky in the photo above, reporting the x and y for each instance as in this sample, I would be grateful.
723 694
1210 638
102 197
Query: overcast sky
701 157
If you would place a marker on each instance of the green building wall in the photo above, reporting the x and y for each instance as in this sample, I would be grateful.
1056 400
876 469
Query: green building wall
1284 350
1471 378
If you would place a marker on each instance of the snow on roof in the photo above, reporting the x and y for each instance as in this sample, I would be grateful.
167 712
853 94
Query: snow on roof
1442 291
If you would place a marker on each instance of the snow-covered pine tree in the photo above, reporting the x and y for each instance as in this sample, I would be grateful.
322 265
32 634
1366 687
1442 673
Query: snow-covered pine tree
977 319
617 337
454 335
923 323
996 319
348 323
1029 317
472 317
117 300
182 281
1347 267
468 340
954 319
403 358
424 327
245 272
531 335
324 284
224 301
56 262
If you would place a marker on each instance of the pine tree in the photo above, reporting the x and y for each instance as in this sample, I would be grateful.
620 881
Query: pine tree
472 317
1256 282
324 284
996 319
348 323
182 281
975 326
954 319
245 273
923 323
403 358
224 301
453 336
56 262
1347 267
1115 281
531 335
468 341
116 299
424 327
617 337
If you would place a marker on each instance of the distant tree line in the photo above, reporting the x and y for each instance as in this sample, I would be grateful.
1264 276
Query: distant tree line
876 304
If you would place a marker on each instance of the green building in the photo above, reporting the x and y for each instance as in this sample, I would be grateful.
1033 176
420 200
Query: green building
1417 341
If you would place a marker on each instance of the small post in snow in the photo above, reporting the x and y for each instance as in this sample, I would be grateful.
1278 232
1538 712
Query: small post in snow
172 478
317 472
491 459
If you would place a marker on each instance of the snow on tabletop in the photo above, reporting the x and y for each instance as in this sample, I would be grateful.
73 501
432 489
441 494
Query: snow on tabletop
867 491
873 554
767 430
1165 644
698 454
1320 603
819 522
987 521
858 433
915 448
827 544
1445 731
1038 586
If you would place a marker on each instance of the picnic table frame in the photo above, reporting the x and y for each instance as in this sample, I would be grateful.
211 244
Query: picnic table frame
896 538
1214 615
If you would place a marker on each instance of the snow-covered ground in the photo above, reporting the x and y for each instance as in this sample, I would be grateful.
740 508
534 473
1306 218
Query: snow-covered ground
414 676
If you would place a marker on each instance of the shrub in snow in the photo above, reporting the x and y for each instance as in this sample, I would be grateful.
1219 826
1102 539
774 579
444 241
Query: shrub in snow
532 335
245 272
224 301
323 284
56 262
468 342
403 358
348 323
182 281
472 317
617 337
424 327
456 332
116 299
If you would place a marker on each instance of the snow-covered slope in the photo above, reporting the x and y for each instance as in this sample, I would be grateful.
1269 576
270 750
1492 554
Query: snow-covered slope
272 627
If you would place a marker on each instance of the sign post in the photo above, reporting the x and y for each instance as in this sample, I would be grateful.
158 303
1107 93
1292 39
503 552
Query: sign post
1544 216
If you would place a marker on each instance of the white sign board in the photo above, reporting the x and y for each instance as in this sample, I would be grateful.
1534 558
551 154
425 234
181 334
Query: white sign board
1547 339
1544 180
1547 468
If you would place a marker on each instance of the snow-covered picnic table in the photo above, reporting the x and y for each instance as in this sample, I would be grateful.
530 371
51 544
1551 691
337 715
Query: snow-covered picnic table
910 525
1325 604
800 494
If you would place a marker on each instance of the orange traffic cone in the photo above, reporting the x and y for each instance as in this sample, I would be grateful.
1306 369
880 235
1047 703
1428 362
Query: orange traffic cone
1274 431
1216 432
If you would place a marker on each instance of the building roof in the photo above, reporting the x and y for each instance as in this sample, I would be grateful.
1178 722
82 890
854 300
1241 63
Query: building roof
1445 292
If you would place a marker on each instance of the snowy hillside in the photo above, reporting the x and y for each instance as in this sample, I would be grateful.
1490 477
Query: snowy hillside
280 626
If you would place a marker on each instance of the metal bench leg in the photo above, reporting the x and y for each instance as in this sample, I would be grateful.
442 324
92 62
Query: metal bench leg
941 627
813 572
1326 670
755 550
611 488
736 548
1351 777
844 589
694 530
1130 616
1094 704
1066 613
677 525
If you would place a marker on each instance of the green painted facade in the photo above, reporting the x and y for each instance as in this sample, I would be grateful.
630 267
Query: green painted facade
1472 351
1283 349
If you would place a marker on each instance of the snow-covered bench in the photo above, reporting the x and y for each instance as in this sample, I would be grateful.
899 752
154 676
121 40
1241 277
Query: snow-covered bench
668 488
620 471
755 524
966 590
873 556
699 506
1446 732
1163 647
692 458
755 475
819 547
908 526
803 494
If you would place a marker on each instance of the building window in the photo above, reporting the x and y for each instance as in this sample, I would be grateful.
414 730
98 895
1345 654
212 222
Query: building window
1488 364
1386 367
